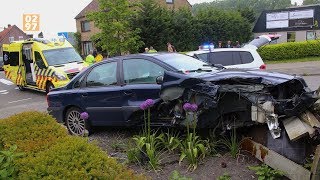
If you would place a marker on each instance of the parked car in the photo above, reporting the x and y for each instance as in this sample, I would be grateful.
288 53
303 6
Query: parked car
246 57
110 92
1 63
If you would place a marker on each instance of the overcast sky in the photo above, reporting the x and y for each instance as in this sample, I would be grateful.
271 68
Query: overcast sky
55 15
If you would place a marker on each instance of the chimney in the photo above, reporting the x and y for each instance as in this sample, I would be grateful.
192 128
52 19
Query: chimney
9 25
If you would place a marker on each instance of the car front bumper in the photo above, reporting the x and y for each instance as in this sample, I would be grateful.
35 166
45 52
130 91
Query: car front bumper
57 113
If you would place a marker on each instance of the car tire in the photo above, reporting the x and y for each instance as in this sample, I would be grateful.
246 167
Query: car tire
49 86
21 88
76 125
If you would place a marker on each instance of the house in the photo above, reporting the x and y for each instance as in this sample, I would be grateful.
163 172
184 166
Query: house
87 28
9 34
299 23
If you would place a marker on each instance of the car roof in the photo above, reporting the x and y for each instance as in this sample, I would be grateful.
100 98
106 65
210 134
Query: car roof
155 55
218 50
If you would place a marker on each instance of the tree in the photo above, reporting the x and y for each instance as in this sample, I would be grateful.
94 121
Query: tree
307 2
113 19
154 23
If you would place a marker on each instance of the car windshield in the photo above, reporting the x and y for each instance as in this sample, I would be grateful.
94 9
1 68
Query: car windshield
185 63
61 56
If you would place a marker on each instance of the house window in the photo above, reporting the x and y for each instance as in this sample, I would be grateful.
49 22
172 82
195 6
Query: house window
311 35
291 36
169 1
85 26
20 38
87 47
11 39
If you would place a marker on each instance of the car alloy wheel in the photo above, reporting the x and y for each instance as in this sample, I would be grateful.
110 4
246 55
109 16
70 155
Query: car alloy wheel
75 124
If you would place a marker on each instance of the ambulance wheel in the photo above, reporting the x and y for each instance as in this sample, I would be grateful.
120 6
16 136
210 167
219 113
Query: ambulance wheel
21 88
75 124
49 86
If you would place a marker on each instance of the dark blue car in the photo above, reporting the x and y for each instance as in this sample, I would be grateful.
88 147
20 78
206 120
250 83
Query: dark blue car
112 91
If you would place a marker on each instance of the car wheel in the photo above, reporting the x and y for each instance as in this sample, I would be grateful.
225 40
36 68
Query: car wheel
75 124
49 86
21 88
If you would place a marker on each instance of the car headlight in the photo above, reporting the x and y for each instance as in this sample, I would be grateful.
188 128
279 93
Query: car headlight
60 76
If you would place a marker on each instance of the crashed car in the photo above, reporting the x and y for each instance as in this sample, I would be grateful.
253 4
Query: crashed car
112 91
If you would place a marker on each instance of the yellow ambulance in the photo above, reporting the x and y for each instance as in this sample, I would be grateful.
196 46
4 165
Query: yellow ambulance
41 64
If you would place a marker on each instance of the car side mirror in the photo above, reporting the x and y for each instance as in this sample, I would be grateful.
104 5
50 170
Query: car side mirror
159 80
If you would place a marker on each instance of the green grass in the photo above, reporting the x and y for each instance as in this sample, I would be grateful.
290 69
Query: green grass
294 60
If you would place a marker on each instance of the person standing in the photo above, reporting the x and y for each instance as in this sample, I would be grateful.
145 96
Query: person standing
237 44
146 50
229 45
90 58
171 48
220 44
152 50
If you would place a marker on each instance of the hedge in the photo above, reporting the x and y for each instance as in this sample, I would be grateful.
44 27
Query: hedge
50 153
290 50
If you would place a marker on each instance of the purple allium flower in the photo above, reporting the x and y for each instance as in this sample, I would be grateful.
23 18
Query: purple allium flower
187 106
194 107
149 103
84 115
143 106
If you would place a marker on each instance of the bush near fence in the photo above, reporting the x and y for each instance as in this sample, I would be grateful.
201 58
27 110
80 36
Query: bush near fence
50 153
290 50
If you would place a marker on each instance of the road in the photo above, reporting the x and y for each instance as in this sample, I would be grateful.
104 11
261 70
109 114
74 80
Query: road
13 101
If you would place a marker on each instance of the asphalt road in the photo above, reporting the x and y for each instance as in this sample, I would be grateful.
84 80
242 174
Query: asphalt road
13 101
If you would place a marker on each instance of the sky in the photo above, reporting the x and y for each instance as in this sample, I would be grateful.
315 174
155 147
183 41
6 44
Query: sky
55 15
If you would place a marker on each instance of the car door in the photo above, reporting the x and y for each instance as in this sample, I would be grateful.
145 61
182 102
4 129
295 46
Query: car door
101 95
139 83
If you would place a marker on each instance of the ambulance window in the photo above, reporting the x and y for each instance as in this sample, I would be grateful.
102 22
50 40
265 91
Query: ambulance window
39 60
6 57
14 58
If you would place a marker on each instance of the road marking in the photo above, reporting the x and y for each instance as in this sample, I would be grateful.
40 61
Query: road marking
19 100
6 82
16 88
3 91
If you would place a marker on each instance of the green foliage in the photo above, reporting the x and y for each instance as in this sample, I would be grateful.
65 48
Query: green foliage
170 140
133 155
266 173
290 50
150 147
30 131
77 40
308 2
175 175
194 150
225 176
113 19
50 153
7 163
232 144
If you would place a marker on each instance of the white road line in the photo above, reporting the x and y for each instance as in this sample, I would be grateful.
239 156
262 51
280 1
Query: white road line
6 82
19 100
3 91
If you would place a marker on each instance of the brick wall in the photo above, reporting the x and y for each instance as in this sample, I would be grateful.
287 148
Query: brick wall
14 32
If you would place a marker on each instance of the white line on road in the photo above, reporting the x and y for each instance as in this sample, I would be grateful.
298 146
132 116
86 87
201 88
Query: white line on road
3 91
19 100
6 82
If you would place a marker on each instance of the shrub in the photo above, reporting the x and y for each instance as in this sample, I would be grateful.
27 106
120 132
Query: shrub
7 163
50 153
30 131
72 158
290 50
175 175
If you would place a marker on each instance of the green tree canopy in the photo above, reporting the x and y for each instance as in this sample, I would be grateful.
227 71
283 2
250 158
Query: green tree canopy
308 2
113 19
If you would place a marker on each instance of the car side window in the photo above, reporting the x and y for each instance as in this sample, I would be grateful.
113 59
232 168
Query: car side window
203 57
223 58
246 57
103 75
141 71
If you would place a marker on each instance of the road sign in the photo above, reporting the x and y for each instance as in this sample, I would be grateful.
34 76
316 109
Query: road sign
31 22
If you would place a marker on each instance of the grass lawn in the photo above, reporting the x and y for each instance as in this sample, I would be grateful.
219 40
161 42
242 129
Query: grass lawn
294 60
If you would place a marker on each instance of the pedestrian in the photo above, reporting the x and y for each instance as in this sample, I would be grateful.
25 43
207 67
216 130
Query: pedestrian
98 57
171 48
229 44
146 50
152 50
237 45
90 58
220 44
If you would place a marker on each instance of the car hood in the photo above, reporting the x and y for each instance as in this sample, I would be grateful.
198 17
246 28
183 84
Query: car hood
235 75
